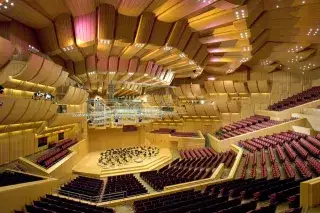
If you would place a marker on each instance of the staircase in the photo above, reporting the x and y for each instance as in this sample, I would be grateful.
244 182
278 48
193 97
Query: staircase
145 184
103 189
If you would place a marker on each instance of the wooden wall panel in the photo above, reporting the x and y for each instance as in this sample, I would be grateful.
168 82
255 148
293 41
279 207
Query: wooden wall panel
126 27
218 85
4 148
196 91
264 86
6 51
145 27
31 69
191 110
178 92
209 86
253 86
106 22
6 108
19 108
200 110
228 85
54 75
31 111
233 106
45 71
45 106
61 79
240 87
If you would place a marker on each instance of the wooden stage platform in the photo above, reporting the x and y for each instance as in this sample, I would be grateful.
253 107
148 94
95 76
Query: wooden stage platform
88 166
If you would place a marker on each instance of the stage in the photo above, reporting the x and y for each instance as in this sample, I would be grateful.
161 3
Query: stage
88 166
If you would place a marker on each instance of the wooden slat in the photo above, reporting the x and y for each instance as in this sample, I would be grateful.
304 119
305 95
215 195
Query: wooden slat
145 28
126 26
80 7
106 22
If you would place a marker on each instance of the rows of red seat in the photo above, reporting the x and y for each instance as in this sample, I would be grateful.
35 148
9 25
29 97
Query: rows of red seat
197 153
244 126
302 168
314 164
244 167
187 169
294 143
56 153
296 100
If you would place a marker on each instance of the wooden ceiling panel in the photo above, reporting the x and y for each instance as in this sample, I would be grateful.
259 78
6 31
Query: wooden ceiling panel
210 20
48 40
53 9
184 39
160 33
126 27
133 7
106 22
145 27
80 68
91 63
85 32
176 33
64 29
80 7
25 14
70 67
201 54
193 46
102 65
182 9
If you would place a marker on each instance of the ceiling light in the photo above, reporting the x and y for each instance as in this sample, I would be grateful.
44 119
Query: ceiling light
145 74
112 73
277 6
191 62
211 78
167 48
240 14
12 4
182 55
130 73
303 2
139 45
7 1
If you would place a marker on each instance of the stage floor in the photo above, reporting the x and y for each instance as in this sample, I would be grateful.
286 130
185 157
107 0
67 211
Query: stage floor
89 165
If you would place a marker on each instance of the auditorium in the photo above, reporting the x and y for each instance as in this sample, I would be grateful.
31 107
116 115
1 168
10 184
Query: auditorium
159 106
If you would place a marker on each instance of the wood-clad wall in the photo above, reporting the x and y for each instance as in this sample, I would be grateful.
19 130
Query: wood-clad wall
25 142
113 138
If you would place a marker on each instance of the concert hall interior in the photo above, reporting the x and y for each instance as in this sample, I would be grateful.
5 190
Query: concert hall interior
160 106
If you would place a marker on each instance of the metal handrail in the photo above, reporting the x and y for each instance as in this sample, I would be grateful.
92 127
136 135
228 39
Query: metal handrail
94 199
